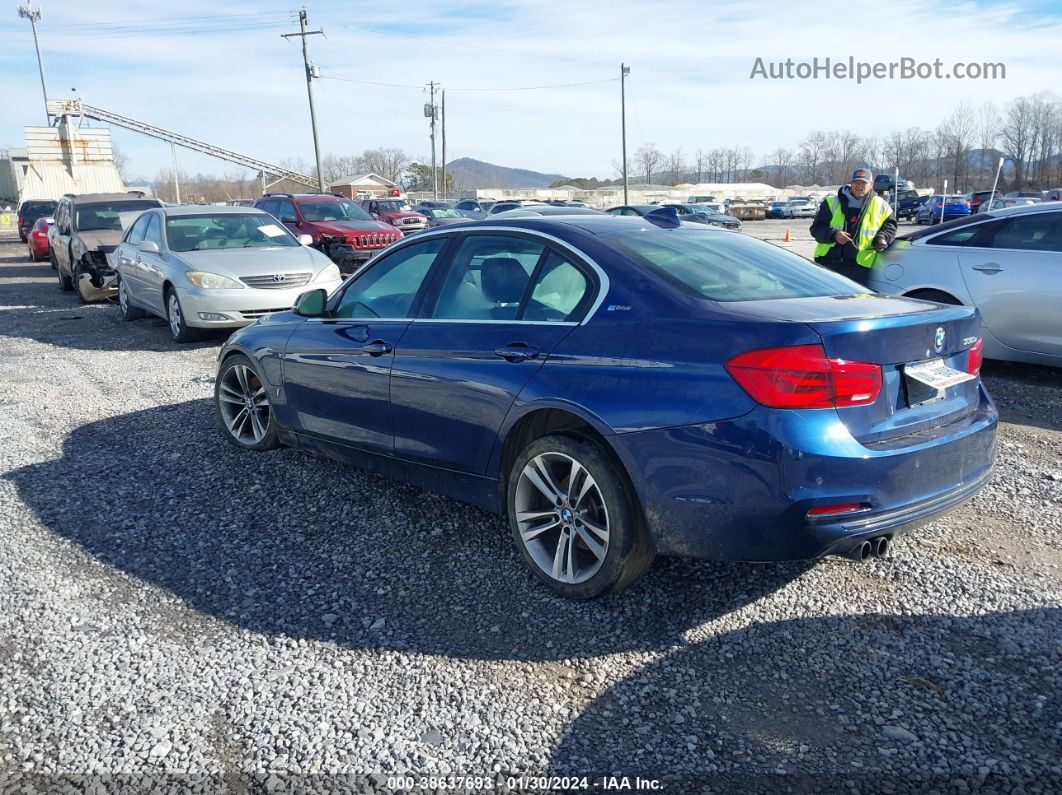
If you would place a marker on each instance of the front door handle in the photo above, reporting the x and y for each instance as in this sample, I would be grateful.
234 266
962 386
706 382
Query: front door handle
516 352
989 267
377 348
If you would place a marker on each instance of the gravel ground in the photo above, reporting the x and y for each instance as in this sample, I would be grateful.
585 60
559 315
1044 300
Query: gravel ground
173 608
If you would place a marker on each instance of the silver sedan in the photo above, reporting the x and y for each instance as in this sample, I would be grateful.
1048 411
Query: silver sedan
214 267
1007 263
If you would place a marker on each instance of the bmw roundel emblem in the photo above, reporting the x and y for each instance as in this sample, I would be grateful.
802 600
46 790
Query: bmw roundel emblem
938 339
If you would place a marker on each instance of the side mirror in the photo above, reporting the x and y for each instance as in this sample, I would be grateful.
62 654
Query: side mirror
289 219
306 240
311 304
147 247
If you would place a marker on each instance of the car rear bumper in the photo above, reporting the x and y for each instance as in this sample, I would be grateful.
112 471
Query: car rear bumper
236 308
741 489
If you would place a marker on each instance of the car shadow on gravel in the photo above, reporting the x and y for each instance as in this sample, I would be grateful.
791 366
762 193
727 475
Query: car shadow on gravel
285 543
813 696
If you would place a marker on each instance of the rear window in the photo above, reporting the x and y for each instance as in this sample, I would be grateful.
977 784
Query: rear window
34 210
955 224
726 266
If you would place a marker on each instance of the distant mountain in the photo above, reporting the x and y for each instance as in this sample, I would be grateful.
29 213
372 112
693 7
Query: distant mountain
471 173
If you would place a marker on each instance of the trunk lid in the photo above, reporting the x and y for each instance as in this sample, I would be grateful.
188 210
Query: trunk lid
893 332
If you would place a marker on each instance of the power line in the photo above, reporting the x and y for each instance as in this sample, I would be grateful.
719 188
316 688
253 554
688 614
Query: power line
420 86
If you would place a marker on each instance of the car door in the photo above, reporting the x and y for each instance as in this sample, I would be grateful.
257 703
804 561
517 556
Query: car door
1015 278
60 240
503 303
150 265
337 367
127 256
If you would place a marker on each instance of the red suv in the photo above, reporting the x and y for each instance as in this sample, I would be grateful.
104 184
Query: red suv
396 212
338 226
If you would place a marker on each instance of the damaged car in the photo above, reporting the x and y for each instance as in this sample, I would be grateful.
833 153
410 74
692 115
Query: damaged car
88 228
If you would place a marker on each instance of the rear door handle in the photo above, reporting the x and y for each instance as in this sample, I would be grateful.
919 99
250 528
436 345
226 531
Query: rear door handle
516 352
989 267
377 348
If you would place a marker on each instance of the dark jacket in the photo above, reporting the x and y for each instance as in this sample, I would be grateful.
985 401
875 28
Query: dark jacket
845 255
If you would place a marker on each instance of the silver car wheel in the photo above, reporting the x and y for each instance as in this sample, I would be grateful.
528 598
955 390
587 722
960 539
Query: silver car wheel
562 517
244 404
123 296
174 311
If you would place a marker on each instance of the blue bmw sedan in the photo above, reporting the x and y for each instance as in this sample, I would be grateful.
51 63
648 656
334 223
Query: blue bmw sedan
621 388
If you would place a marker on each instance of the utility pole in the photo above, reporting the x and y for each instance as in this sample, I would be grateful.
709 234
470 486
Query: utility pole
34 16
176 182
624 71
431 112
311 72
444 142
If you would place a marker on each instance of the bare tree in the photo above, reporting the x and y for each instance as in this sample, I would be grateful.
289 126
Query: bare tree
121 163
700 162
647 158
675 165
1016 134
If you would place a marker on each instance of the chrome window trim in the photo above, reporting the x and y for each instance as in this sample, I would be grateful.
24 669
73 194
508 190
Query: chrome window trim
603 281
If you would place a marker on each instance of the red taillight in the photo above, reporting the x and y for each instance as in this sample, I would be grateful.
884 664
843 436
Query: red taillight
40 235
802 377
976 357
826 510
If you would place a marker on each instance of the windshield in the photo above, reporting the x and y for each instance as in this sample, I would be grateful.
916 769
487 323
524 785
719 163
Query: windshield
105 215
727 267
226 230
395 207
445 213
325 210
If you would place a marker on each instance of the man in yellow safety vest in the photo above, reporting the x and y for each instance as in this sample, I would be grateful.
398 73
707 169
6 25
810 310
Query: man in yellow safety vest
852 227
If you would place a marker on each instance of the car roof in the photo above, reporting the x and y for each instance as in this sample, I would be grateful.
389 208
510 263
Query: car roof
209 209
593 224
96 198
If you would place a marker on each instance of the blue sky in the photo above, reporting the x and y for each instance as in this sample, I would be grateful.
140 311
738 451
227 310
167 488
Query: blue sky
222 73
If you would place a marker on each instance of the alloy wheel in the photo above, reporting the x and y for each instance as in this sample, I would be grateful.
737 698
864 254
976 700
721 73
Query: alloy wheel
244 404
562 517
174 314
123 297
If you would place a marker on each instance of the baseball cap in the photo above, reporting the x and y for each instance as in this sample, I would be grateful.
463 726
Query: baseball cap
863 174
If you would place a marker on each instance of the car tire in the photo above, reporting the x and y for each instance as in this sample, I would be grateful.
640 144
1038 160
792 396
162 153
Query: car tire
939 296
239 381
66 284
582 546
125 306
176 322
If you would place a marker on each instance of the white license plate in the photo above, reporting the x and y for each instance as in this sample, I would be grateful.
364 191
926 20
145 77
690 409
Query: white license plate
934 373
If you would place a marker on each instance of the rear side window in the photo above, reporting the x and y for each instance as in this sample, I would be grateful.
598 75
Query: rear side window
726 267
1032 232
559 292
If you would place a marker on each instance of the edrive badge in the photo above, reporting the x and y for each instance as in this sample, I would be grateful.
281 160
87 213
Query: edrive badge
938 339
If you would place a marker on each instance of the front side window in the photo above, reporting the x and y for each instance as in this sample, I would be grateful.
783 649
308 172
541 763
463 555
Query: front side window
153 232
226 230
726 267
285 209
488 278
389 287
136 232
1032 232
